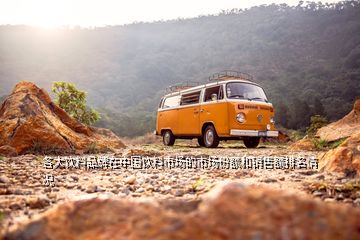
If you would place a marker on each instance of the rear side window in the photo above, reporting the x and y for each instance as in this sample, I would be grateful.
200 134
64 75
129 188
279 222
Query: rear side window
161 101
213 90
190 98
171 102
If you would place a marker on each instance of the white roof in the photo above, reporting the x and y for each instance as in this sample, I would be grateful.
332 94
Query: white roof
215 83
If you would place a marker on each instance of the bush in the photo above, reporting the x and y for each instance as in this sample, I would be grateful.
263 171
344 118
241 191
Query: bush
73 101
295 135
316 122
320 144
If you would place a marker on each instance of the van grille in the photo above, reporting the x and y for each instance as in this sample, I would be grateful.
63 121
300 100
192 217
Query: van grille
264 108
251 107
255 107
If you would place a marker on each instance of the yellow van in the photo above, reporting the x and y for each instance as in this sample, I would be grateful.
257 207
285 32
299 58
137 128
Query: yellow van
231 106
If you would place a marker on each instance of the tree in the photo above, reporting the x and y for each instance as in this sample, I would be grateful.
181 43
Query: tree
73 101
300 117
282 115
318 107
2 98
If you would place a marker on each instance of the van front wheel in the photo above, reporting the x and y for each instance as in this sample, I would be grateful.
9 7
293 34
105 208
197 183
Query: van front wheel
251 142
211 139
168 138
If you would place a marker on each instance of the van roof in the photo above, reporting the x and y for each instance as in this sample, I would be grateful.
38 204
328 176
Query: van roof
199 87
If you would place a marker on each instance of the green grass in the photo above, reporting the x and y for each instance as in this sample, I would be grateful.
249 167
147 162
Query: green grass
44 149
198 184
39 159
92 148
2 216
321 144
337 143
295 135
350 186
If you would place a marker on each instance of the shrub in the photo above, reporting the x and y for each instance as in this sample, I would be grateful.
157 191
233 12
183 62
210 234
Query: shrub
73 101
316 122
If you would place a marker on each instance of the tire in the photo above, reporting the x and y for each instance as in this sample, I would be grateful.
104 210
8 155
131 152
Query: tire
251 142
201 142
168 138
211 139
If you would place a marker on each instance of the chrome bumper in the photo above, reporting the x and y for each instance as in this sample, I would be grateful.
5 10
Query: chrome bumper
253 133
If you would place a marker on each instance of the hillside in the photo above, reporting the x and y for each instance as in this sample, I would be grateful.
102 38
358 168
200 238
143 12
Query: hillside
306 58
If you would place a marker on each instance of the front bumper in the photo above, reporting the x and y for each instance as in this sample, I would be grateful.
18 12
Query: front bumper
253 133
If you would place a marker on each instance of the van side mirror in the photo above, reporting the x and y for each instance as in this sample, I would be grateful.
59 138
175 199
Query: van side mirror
213 97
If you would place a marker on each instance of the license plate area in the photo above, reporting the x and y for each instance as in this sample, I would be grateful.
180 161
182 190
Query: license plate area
262 133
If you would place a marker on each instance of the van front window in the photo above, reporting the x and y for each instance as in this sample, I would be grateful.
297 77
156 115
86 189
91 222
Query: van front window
247 91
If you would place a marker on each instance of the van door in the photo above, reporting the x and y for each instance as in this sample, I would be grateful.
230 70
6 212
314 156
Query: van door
167 117
188 115
214 110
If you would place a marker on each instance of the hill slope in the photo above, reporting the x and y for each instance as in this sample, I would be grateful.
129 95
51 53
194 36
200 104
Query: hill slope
307 55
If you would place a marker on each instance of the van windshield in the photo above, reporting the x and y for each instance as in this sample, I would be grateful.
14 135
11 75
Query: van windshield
237 90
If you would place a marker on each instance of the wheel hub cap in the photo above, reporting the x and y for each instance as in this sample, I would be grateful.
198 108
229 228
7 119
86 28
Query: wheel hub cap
167 137
209 137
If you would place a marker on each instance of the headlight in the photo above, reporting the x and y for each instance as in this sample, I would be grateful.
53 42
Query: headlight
272 120
240 117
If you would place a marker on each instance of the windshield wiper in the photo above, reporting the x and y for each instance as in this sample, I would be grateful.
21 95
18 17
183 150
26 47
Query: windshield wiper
257 98
236 96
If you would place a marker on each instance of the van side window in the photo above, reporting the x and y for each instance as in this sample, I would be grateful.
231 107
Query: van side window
190 98
221 93
171 102
161 101
213 90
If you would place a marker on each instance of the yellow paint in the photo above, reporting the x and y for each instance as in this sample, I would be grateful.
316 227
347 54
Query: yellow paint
189 120
216 113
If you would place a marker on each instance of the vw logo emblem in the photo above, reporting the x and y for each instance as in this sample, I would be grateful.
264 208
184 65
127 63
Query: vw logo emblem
259 117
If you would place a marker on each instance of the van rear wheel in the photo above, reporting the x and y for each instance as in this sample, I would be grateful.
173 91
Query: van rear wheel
201 142
251 142
211 139
168 138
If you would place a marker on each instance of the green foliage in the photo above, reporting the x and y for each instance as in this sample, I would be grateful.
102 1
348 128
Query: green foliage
92 148
282 115
2 98
128 124
295 135
300 116
198 184
73 101
2 216
318 108
320 144
337 143
316 122
308 52
42 148
350 187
